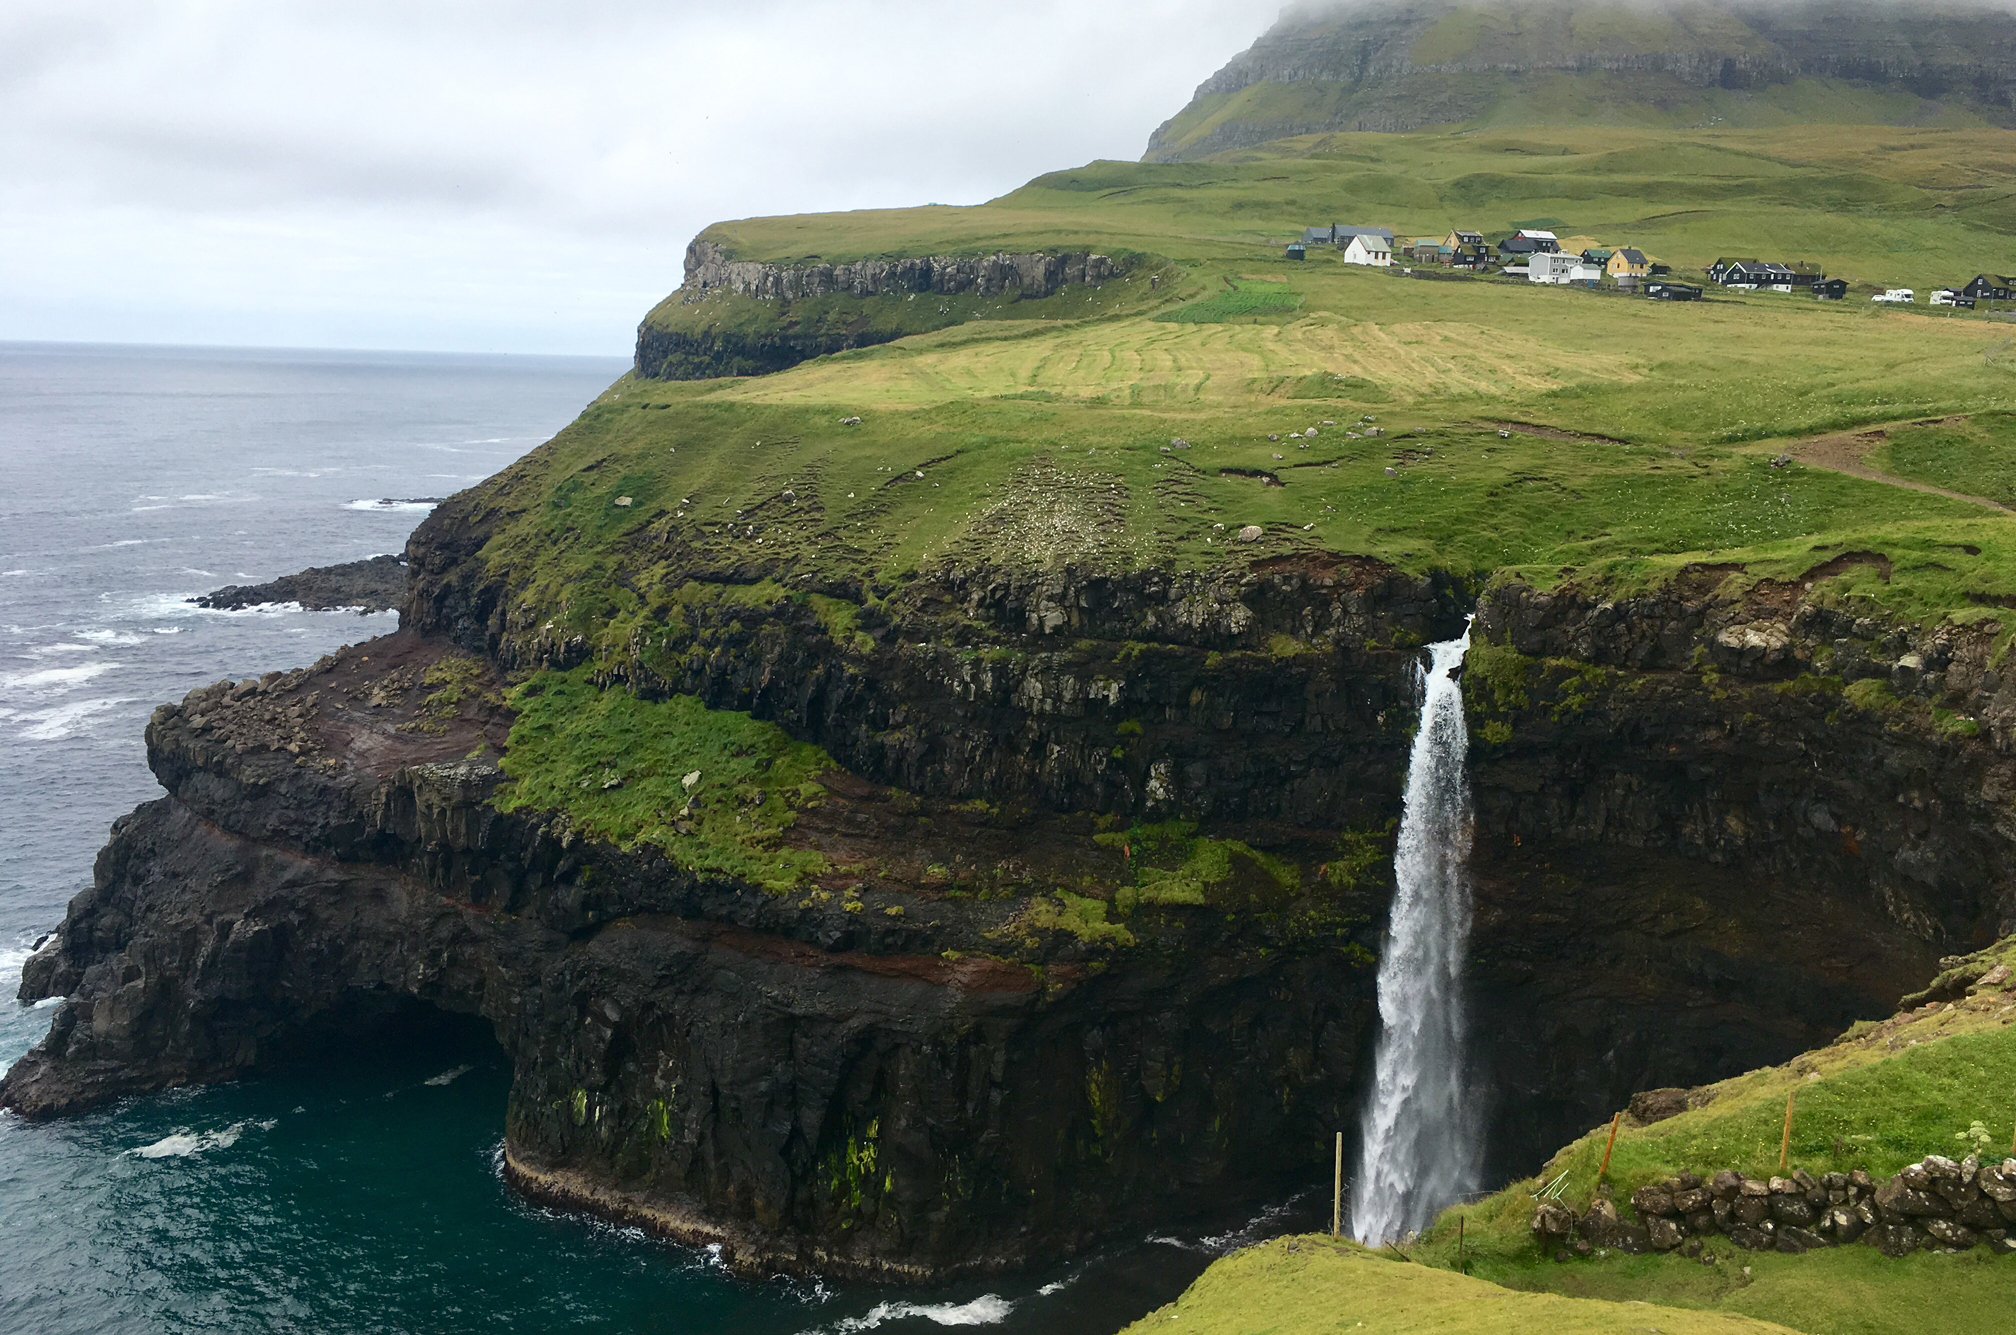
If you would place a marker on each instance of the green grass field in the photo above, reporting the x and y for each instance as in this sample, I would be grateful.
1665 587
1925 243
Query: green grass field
1877 205
1314 1285
1938 1080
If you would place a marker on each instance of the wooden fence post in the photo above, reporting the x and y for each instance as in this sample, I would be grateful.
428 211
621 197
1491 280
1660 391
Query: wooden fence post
1604 1171
1785 1144
1337 1191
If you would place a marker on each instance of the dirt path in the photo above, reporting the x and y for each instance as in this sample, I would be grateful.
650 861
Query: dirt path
1845 452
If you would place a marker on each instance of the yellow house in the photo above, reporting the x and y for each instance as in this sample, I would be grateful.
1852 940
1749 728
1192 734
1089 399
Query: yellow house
1624 260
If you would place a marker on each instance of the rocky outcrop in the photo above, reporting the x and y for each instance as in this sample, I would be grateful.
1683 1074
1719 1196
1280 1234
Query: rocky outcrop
1934 1205
375 584
887 1080
890 1075
817 307
1397 65
1039 274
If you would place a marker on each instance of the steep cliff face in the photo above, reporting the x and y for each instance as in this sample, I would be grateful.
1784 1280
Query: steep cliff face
986 1036
743 317
1399 66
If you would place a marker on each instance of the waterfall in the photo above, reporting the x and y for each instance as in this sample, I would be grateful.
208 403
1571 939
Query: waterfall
1420 1150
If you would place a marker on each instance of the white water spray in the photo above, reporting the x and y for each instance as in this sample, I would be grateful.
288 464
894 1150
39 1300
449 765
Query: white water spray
1420 1152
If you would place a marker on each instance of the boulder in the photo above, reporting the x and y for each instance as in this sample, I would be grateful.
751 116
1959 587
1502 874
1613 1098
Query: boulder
1997 1184
1999 1241
1750 1239
1938 1166
1652 1200
1793 1210
1752 1210
1251 533
1632 1239
1725 1184
1895 1239
1949 1233
1980 1213
1845 1224
1752 1186
1551 1219
1599 1223
1656 1105
1797 1240
1899 1202
1702 1222
1860 1178
1724 1212
1663 1234
1691 1200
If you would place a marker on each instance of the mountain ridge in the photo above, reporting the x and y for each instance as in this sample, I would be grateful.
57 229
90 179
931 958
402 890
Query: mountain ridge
1402 65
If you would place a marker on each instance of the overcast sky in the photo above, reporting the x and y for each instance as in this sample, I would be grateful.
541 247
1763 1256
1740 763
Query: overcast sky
516 175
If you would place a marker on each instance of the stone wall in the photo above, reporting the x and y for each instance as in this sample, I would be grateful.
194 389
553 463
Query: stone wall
1935 1204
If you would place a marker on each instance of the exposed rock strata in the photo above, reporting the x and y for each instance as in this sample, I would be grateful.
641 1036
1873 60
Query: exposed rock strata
1037 274
691 348
813 1088
915 1093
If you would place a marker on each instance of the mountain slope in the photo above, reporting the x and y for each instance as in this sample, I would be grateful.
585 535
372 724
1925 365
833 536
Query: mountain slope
1397 65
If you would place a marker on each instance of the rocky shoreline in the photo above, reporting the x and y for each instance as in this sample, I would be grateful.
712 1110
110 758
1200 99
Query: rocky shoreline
375 584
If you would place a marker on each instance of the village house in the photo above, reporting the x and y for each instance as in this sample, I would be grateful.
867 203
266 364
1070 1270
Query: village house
1467 249
1990 287
1627 262
1369 245
1340 234
1562 270
1525 242
1431 250
1598 256
1762 275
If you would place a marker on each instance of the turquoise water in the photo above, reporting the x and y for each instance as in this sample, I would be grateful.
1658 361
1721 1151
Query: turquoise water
362 1194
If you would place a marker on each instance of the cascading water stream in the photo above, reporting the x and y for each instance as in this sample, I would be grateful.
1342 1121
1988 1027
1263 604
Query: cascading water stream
1420 1149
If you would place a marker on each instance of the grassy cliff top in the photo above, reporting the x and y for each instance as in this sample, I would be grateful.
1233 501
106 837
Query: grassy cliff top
1641 436
1884 206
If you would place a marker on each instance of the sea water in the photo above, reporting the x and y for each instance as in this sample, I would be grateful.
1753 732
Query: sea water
1419 1150
363 1194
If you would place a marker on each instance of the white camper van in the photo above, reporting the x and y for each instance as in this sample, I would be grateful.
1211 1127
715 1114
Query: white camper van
1896 296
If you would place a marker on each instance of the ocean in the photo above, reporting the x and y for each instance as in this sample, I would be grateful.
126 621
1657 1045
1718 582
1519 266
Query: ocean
362 1194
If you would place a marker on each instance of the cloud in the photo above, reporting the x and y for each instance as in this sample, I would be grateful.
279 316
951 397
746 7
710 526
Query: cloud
516 175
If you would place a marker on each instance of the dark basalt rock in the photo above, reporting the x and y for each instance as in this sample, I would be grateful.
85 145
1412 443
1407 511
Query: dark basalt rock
375 584
676 352
920 1093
